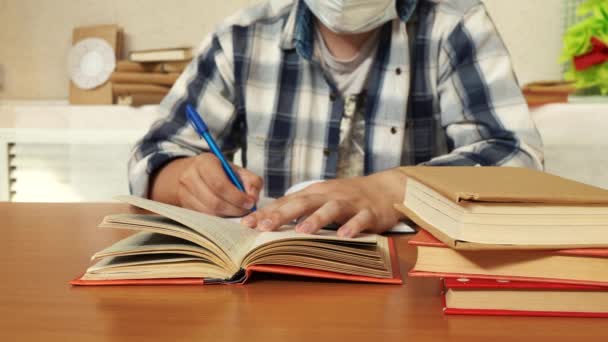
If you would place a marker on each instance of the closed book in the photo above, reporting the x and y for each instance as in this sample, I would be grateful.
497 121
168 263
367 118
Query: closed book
164 67
123 89
470 296
574 266
178 67
505 208
181 246
141 99
162 55
121 77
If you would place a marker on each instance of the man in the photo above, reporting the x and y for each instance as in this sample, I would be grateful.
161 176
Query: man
322 89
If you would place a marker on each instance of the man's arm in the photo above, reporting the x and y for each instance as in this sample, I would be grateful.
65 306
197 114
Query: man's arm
171 163
483 111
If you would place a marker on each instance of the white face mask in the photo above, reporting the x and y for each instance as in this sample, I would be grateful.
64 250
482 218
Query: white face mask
353 16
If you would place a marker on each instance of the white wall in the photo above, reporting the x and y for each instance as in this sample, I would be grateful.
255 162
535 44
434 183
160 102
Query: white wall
36 35
532 30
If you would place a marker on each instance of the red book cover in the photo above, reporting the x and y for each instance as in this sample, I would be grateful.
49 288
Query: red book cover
424 238
497 285
277 269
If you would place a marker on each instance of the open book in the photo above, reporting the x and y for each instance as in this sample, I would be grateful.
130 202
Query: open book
181 246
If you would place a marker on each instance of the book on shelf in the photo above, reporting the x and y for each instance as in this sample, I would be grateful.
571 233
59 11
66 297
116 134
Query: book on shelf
491 297
139 99
125 89
181 246
163 67
573 266
505 208
162 55
122 77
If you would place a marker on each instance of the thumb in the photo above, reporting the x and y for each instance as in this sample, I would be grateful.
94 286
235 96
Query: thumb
253 183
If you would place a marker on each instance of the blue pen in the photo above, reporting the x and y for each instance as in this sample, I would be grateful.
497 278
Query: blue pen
201 128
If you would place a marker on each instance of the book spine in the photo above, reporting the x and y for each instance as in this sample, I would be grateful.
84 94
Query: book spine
423 274
120 89
484 312
128 66
143 77
140 99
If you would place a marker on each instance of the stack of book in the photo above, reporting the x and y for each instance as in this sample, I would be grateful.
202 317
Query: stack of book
148 75
510 241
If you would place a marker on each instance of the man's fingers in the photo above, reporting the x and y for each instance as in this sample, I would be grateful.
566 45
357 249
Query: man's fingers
297 206
214 204
189 201
221 186
253 183
330 212
283 211
253 219
362 221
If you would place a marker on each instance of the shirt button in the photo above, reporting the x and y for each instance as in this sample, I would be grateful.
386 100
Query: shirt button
326 152
333 96
398 71
394 130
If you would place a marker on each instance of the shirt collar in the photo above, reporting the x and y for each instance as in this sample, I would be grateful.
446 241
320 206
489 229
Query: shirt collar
299 28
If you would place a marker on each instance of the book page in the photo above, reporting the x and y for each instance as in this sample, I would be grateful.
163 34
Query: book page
231 237
288 233
145 242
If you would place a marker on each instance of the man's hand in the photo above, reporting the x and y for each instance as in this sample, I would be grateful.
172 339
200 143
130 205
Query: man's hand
357 204
200 183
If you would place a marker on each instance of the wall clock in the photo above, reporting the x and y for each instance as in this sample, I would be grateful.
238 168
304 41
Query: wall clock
91 62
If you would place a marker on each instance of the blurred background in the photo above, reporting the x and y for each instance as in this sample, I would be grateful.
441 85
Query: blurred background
62 142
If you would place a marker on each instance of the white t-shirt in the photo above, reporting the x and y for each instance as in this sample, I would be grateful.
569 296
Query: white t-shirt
350 77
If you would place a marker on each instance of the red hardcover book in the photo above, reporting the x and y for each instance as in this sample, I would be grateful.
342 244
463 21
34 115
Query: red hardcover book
573 266
470 296
275 269
180 246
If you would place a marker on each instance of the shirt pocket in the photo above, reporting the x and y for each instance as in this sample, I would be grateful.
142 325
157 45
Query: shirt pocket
267 155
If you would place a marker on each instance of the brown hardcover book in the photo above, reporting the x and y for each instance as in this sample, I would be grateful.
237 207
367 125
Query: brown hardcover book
121 89
162 55
144 78
505 208
573 266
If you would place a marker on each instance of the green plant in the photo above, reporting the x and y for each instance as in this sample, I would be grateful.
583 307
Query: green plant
578 42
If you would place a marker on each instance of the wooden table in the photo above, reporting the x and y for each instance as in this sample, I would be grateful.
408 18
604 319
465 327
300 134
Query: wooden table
46 245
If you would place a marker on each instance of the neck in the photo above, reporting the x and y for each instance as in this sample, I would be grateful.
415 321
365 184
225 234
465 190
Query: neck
343 46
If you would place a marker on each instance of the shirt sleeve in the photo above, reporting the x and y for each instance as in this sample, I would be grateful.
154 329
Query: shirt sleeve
208 84
483 112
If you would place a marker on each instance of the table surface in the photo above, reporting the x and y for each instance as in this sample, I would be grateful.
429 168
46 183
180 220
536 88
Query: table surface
46 245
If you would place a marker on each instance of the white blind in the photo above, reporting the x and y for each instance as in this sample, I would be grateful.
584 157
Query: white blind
67 172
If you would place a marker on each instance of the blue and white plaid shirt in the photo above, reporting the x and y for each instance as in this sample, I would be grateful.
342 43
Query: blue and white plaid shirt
441 91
